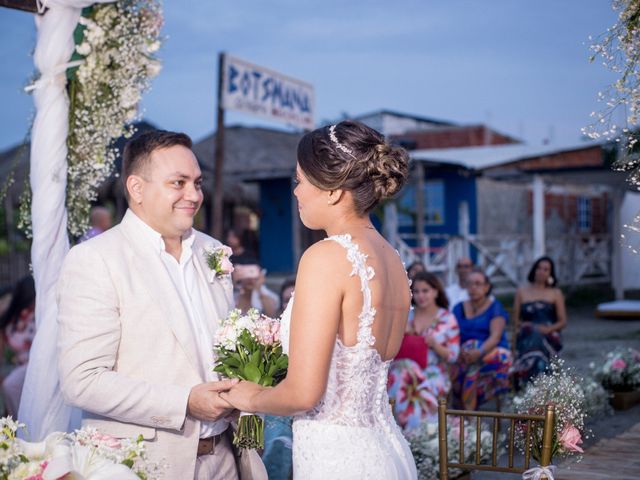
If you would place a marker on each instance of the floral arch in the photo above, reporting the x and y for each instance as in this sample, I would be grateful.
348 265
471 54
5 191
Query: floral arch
94 58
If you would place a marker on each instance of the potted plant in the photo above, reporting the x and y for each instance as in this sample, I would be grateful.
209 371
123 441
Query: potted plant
620 374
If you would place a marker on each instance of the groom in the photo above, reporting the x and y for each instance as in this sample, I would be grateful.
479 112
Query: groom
138 307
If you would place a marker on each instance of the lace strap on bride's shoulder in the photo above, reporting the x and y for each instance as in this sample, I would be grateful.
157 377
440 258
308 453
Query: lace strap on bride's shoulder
359 262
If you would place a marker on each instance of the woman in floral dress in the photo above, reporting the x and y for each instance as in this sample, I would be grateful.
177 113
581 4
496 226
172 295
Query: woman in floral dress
413 389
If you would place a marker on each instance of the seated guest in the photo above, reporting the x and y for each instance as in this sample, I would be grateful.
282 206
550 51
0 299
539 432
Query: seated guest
539 316
101 221
482 370
286 292
18 329
240 253
457 292
414 268
250 290
415 390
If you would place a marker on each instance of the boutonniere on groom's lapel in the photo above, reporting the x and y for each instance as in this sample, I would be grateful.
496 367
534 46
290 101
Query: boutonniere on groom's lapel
218 260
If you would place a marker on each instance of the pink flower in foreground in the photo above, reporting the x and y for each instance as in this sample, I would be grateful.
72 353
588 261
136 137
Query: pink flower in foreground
267 331
107 440
226 266
570 439
618 364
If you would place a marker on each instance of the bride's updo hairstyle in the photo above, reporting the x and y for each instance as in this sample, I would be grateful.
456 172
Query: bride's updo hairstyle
352 156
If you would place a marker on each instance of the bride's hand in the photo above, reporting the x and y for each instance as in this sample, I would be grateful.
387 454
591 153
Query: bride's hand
242 396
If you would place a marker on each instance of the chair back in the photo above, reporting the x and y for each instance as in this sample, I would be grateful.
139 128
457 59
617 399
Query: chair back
547 420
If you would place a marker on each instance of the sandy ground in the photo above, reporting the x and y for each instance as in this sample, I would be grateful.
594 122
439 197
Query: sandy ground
587 339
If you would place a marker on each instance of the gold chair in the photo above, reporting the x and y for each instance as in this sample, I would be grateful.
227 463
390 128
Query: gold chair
547 421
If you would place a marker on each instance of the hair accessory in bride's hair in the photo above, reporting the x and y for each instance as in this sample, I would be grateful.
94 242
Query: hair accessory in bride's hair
339 146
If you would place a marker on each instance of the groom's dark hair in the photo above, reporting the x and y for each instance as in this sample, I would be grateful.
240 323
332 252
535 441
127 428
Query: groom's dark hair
138 150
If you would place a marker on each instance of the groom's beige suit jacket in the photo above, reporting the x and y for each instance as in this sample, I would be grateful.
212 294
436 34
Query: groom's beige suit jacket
127 356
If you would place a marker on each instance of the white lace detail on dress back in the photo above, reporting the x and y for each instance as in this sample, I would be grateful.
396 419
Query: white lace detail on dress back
356 392
351 433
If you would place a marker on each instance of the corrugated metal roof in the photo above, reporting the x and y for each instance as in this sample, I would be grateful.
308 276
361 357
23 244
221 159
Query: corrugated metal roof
480 158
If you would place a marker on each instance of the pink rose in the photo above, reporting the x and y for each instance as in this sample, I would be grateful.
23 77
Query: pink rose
226 250
106 440
275 330
226 266
570 439
263 332
267 331
618 364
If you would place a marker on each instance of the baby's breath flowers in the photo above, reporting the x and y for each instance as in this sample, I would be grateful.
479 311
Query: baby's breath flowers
619 50
117 43
561 387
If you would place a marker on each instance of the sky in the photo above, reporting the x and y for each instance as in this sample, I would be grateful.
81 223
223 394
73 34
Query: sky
521 67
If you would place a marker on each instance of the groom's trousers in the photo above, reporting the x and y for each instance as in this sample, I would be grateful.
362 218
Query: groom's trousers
219 465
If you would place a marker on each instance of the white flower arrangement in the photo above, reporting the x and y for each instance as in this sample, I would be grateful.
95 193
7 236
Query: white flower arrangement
83 454
116 43
423 442
620 370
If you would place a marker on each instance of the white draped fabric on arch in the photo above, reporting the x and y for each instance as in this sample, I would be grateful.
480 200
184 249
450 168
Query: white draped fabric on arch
42 408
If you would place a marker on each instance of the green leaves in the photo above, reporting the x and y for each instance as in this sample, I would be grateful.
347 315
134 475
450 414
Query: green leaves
252 373
262 364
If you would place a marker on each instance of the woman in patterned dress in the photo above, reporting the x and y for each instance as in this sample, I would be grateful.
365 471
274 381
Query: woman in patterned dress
483 370
415 390
540 315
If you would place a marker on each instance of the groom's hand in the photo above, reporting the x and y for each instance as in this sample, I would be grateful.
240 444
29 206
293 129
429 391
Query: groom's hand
205 402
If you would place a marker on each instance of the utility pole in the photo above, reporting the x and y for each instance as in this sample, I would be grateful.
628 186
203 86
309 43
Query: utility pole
218 188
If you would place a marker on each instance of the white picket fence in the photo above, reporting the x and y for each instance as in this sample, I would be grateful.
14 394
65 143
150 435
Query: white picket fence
579 259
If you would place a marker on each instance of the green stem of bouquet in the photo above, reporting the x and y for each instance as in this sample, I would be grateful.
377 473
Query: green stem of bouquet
537 446
250 433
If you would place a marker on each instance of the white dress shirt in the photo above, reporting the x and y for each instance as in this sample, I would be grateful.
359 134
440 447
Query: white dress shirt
191 288
456 294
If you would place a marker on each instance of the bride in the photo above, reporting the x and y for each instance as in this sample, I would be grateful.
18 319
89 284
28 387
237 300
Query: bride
346 320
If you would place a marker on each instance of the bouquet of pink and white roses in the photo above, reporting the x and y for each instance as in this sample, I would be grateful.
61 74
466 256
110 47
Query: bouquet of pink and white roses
84 453
248 347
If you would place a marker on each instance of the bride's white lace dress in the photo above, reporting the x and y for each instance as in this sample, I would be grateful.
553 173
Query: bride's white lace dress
351 433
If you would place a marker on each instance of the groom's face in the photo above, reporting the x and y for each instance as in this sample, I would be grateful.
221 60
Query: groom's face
172 191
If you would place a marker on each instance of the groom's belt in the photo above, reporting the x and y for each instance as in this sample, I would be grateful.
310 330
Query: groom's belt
206 446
